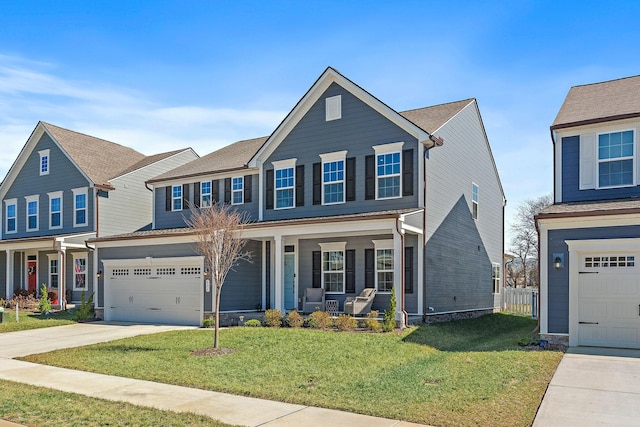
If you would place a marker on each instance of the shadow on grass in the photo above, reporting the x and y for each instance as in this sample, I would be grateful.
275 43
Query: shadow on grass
493 332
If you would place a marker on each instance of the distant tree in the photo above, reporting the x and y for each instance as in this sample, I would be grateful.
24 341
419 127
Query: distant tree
524 243
219 232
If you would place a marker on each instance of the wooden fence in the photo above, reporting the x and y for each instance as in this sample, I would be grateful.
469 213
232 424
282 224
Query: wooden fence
522 300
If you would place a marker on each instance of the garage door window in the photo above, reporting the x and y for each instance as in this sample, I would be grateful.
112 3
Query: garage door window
606 261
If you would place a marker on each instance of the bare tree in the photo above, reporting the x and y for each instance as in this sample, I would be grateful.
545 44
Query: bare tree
524 243
219 232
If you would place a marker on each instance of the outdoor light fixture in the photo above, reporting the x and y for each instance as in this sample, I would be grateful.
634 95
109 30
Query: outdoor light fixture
557 263
99 274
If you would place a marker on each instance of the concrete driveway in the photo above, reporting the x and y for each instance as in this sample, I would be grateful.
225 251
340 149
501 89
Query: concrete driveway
593 387
23 343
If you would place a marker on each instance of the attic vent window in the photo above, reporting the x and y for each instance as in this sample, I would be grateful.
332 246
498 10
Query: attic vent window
333 106
44 162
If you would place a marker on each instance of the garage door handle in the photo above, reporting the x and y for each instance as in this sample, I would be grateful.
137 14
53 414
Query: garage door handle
588 323
587 272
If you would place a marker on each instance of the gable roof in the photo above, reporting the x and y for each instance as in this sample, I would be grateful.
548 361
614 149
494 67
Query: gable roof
600 102
148 160
433 118
231 157
99 159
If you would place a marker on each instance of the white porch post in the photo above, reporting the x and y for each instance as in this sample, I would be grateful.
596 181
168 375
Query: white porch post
279 273
398 254
96 280
419 285
9 273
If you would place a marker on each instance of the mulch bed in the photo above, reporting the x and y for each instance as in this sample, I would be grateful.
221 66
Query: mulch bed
210 351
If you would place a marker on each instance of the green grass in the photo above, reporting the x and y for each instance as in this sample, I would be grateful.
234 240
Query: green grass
36 406
463 373
30 320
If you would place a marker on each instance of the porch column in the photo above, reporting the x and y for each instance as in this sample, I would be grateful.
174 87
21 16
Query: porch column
278 273
9 274
420 286
398 255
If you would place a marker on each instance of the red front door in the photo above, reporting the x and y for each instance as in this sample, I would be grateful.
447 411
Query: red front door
32 277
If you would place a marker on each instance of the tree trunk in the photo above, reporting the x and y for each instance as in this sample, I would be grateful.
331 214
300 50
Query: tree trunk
216 326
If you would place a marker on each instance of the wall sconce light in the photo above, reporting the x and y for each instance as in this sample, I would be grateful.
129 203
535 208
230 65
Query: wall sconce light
558 261
99 274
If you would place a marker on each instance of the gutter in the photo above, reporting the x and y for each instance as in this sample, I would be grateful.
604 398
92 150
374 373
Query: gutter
537 328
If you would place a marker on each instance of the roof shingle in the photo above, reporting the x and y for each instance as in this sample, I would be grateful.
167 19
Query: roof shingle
432 118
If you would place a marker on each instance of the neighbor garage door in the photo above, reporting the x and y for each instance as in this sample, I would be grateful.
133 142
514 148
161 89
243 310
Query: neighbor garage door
609 301
167 290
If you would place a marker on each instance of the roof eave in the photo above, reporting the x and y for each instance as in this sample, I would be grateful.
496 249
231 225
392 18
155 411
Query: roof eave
595 121
192 175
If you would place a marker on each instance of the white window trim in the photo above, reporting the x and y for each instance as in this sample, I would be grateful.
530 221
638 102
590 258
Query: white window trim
55 195
52 257
43 154
29 199
394 147
8 203
77 256
597 162
173 198
76 192
330 158
382 245
202 194
496 281
475 214
284 164
334 247
241 191
333 108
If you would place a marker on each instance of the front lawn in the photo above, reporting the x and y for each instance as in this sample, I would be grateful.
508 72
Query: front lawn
463 373
30 320
36 406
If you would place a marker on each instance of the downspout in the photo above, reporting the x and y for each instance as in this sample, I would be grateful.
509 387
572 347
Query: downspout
405 315
62 287
537 328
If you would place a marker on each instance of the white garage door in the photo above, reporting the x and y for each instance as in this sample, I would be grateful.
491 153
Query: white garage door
167 290
609 301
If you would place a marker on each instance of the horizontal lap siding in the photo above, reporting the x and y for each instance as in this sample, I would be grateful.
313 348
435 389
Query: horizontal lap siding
357 131
63 176
558 280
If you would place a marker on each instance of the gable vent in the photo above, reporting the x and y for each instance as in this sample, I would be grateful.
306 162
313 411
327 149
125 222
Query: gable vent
333 108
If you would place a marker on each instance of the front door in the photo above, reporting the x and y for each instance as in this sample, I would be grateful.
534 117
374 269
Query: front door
32 277
289 281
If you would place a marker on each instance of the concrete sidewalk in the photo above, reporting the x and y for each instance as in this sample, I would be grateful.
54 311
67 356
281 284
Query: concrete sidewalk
231 409
593 387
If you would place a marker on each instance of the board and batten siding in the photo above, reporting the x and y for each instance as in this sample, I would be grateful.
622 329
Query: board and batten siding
129 207
242 289
63 176
558 280
459 249
359 129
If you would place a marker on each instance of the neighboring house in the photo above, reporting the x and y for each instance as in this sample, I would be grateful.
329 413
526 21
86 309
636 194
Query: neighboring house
63 189
590 237
345 194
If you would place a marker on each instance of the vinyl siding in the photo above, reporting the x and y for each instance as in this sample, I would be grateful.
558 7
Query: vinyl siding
558 280
129 207
63 176
359 129
459 249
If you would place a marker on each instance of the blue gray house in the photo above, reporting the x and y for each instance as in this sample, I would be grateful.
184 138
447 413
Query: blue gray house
64 188
590 237
345 194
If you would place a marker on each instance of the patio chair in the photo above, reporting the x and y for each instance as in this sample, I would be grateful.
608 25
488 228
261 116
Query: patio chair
313 300
360 304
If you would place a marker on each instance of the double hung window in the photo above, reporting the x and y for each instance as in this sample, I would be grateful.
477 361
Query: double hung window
284 180
388 170
205 194
333 177
79 207
616 159
55 210
32 212
384 265
80 272
176 198
11 215
237 190
474 200
333 267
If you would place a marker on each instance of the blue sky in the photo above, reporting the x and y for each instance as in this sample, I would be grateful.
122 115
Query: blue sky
160 75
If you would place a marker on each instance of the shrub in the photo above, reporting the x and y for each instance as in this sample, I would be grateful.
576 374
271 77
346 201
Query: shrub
209 322
389 319
371 323
344 322
253 323
85 311
294 319
319 320
273 318
44 304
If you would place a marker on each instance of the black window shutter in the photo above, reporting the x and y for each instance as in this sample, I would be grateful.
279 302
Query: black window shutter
317 183
316 267
215 191
408 270
350 271
351 179
248 181
168 195
370 177
185 196
269 190
196 194
300 185
407 172
227 190
369 268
